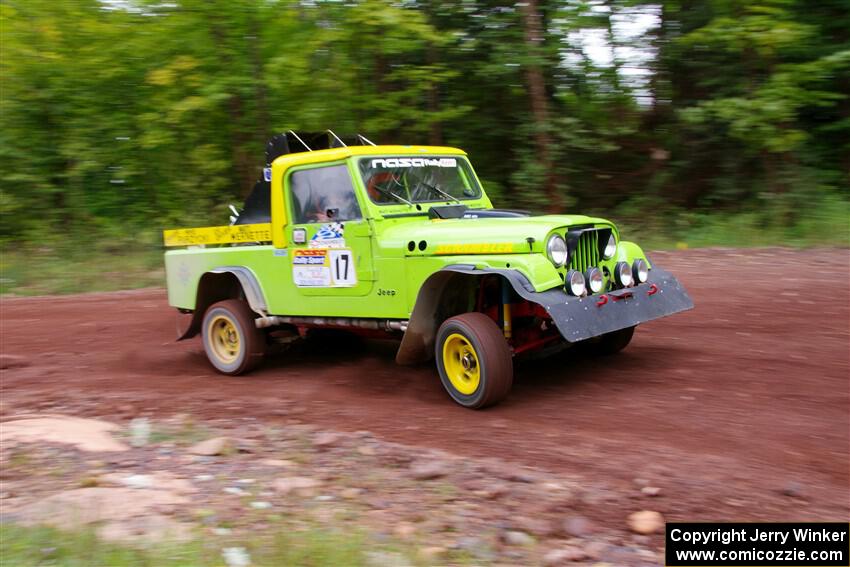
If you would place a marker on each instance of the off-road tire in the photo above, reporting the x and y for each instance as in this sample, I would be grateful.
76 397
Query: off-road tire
612 343
235 316
493 358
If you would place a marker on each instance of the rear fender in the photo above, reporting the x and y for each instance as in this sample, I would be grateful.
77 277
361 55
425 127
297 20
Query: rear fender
228 282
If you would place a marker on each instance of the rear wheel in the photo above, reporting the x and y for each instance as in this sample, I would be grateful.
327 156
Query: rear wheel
474 360
612 343
233 343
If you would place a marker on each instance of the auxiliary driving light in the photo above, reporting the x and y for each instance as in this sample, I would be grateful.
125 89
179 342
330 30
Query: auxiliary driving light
623 274
593 278
610 248
575 283
640 270
556 249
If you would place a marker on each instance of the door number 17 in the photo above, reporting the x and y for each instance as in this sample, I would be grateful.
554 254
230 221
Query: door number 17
342 268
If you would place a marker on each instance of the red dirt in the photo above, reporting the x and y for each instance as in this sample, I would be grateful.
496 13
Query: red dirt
738 410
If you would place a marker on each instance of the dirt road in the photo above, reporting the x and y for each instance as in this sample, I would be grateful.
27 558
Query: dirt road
737 410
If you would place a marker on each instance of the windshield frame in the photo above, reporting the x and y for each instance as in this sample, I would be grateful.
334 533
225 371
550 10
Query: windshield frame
465 172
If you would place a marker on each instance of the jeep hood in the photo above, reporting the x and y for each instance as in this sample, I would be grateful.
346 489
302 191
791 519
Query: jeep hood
514 235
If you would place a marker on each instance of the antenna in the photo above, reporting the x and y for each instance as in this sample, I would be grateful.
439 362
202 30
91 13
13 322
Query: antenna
331 132
365 139
309 149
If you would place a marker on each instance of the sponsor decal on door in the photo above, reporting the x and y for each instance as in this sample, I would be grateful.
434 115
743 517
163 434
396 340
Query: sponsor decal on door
323 267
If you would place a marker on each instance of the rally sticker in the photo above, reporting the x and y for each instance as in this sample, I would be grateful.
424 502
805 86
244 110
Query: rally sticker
323 267
310 268
414 162
329 236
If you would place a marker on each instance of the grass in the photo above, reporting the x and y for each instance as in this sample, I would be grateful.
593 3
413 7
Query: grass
41 546
114 264
66 268
185 433
827 224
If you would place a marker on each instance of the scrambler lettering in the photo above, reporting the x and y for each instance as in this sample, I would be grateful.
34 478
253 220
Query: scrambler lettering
494 248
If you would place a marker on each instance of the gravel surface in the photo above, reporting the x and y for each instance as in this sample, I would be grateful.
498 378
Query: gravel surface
736 410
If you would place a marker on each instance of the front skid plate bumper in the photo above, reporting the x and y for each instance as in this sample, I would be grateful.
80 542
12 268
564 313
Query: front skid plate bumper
580 318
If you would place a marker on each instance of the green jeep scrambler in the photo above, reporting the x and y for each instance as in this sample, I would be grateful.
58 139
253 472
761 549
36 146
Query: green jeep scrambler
402 241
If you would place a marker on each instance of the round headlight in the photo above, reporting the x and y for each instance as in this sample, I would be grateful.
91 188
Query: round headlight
575 283
610 248
593 279
556 249
623 274
640 270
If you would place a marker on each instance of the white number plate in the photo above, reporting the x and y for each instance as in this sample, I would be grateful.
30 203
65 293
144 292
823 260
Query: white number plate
343 271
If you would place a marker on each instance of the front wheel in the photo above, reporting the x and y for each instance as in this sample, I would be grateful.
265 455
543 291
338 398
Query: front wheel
232 341
612 343
474 360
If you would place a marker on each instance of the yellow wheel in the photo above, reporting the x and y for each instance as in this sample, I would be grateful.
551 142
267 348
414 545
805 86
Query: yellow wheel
474 360
232 341
224 338
461 364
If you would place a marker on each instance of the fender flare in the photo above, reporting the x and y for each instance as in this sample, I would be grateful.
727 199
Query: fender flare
250 286
418 342
189 324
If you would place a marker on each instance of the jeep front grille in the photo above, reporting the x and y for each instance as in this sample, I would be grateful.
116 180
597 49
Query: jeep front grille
586 253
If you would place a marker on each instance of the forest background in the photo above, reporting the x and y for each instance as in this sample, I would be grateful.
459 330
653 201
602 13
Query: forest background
687 122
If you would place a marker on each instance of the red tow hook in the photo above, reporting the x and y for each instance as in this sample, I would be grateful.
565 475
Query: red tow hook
653 289
602 301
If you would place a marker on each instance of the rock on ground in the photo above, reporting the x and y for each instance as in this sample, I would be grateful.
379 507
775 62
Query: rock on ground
236 557
404 530
577 526
565 554
429 470
159 480
325 440
278 463
123 510
793 489
646 522
432 553
515 537
212 447
300 484
536 526
386 559
87 434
